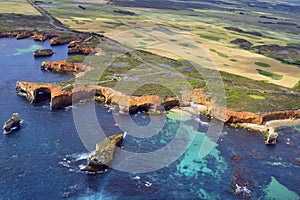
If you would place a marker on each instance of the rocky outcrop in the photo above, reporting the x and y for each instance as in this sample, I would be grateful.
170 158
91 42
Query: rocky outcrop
43 53
244 44
12 124
101 158
61 41
65 67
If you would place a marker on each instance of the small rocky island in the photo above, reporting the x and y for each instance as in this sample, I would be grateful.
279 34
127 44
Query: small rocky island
43 53
100 159
12 124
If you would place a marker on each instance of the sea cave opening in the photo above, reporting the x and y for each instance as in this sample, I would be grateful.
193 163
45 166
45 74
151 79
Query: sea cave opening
42 95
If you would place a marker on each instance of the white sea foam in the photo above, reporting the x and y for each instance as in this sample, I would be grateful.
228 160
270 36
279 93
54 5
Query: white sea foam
82 156
202 122
148 184
136 178
65 164
78 156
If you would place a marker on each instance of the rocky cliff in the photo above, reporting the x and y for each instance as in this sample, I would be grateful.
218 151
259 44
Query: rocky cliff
60 97
61 41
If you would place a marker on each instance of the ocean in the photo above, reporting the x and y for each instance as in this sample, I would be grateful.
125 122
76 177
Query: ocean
43 159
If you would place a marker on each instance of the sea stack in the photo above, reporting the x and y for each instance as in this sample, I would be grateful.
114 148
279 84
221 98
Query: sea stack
100 159
12 124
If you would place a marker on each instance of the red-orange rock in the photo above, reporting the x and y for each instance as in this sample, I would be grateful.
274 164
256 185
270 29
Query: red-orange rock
23 35
61 97
39 37
65 67
81 50
60 41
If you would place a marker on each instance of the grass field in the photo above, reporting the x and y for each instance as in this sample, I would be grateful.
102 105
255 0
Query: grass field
17 7
197 36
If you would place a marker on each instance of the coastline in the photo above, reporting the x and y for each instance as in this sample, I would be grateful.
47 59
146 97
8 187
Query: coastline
195 102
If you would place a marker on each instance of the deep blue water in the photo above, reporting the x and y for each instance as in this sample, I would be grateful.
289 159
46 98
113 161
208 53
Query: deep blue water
43 158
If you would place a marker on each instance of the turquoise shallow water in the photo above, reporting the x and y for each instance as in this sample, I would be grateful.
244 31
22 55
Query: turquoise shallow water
42 159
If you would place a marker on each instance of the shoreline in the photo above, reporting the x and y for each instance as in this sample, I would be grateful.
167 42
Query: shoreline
195 102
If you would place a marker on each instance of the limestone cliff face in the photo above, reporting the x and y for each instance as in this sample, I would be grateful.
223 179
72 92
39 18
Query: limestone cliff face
61 41
65 67
82 50
243 117
248 117
286 114
60 98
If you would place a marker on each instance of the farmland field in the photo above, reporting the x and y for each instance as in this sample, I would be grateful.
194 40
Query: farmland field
185 35
17 7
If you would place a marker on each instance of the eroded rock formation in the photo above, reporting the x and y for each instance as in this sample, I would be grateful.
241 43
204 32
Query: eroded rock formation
100 159
244 44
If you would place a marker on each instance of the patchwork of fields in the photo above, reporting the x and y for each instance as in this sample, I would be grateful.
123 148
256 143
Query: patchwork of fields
198 36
